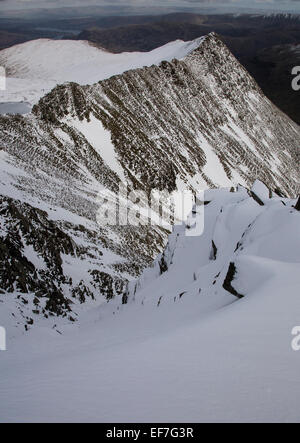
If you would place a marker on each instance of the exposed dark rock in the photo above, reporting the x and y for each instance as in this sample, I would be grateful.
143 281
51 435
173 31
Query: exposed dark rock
107 285
214 251
256 198
125 298
227 285
279 192
24 226
163 265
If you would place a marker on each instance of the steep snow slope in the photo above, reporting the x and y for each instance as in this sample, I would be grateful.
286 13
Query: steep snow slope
35 67
183 348
196 123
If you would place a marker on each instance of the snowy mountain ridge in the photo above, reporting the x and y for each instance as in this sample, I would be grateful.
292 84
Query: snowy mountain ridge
36 67
191 124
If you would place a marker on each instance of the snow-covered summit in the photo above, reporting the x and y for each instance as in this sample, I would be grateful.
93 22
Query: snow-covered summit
35 67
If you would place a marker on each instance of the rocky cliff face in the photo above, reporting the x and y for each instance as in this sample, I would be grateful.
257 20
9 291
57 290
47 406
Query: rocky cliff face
203 116
199 122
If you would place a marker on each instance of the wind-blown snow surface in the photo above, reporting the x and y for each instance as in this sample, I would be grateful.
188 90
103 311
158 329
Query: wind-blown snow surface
35 67
183 348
